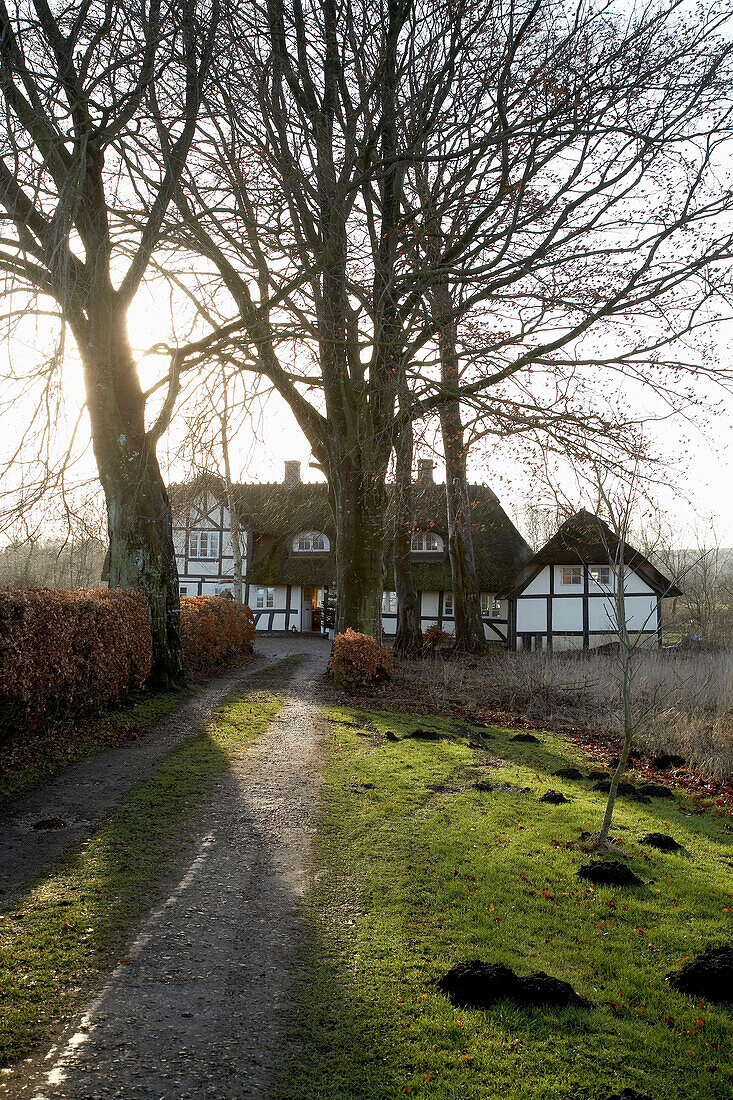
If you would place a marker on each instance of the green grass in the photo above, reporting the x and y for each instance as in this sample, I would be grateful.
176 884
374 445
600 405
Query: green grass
413 881
26 766
65 933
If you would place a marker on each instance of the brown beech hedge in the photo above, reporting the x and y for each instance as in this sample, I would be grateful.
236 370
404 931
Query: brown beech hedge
211 629
65 652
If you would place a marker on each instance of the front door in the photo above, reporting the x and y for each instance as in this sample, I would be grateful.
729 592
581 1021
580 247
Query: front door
311 612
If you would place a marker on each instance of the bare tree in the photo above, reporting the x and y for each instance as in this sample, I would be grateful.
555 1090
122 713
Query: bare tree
570 156
408 636
100 102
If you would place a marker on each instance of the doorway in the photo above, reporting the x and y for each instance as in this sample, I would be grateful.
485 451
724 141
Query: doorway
311 614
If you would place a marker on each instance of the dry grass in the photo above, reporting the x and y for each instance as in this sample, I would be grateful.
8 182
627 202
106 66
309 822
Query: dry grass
687 700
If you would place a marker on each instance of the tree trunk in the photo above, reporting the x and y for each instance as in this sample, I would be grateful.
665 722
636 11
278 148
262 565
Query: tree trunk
141 551
408 639
469 630
627 678
231 504
358 501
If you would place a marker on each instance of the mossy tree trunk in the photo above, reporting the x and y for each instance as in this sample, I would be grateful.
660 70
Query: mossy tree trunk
359 503
469 631
141 551
408 639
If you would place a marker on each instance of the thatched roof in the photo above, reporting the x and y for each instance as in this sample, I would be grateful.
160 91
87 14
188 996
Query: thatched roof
276 513
586 538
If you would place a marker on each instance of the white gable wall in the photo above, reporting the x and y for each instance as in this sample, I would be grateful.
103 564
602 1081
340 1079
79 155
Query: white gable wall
552 614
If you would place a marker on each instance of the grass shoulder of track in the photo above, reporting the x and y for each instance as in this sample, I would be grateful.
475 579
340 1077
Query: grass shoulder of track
61 937
412 880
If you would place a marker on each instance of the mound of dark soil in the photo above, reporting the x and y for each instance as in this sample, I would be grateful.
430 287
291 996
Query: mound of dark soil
424 734
390 736
597 774
500 788
628 790
478 984
568 773
555 797
442 788
629 1094
609 872
661 841
666 760
541 989
529 738
49 823
708 975
655 790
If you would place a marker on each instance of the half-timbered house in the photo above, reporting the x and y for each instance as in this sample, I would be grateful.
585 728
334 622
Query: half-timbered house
558 598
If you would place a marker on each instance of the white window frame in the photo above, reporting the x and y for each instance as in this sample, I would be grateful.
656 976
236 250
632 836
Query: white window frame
307 543
572 575
183 590
421 539
264 599
490 606
601 575
448 603
389 603
208 541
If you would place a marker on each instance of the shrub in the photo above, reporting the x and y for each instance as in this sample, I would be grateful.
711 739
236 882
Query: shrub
68 651
212 629
435 636
357 661
64 652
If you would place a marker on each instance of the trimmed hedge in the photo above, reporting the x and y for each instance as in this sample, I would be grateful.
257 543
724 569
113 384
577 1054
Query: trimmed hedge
69 651
211 629
64 652
357 661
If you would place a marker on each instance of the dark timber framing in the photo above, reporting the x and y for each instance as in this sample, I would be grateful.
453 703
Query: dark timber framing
585 596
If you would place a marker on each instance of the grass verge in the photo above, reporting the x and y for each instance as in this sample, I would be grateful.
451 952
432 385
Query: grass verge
60 938
27 764
413 880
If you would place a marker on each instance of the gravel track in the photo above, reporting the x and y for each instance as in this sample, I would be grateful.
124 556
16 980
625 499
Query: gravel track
85 792
197 1010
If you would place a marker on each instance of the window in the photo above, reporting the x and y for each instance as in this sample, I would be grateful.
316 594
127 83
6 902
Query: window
308 541
203 544
601 575
264 597
389 603
447 603
490 605
183 590
572 574
426 541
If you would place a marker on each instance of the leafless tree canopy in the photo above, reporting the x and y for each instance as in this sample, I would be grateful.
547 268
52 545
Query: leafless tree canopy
551 173
100 103
345 191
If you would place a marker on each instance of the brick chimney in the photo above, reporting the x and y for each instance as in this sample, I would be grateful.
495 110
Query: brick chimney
292 475
424 471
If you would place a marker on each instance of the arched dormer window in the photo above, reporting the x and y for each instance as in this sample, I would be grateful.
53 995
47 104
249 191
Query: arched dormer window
309 541
426 542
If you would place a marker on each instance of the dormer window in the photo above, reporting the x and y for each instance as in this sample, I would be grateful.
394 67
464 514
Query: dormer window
311 541
426 542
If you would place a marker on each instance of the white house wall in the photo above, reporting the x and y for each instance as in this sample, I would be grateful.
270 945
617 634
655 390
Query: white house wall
548 611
